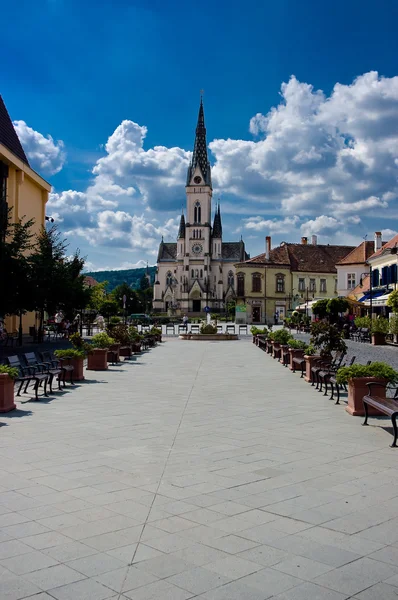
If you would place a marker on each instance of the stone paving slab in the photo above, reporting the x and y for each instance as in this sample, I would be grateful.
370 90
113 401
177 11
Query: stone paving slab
195 471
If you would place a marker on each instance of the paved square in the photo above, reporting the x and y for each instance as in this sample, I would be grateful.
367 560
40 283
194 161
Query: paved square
199 470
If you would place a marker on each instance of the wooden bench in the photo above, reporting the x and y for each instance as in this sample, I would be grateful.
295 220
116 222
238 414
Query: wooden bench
336 386
387 406
299 363
326 375
285 356
55 363
32 362
28 374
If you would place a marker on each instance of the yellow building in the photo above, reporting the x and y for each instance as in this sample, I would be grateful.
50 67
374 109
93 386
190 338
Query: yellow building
271 284
21 189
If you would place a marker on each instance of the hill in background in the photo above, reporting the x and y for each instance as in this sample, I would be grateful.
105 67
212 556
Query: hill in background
130 276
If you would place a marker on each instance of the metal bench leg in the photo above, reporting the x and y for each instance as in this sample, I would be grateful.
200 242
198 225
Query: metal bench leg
395 428
36 388
20 388
326 387
51 383
338 393
365 406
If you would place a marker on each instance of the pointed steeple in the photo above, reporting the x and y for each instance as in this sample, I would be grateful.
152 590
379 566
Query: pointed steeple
181 230
217 226
199 156
8 135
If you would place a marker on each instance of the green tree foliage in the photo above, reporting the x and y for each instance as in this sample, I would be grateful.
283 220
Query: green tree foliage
327 339
320 308
15 267
97 297
337 306
392 301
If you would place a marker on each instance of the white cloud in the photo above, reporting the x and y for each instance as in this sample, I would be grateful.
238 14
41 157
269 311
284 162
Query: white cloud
316 164
45 155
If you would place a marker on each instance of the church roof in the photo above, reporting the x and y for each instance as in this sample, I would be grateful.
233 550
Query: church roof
8 135
217 226
167 251
181 230
199 156
234 251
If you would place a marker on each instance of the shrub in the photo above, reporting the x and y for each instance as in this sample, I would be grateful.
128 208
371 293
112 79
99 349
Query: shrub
377 370
281 336
380 325
394 323
363 322
320 308
119 333
327 339
102 340
115 320
311 350
69 353
392 301
257 330
156 331
80 344
297 344
208 329
10 371
134 335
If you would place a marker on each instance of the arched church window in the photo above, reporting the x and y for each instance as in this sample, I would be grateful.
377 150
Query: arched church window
196 272
169 278
201 273
197 213
241 284
231 278
192 274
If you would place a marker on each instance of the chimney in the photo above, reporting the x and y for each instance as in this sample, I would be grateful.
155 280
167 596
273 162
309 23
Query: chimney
267 246
314 240
304 241
377 241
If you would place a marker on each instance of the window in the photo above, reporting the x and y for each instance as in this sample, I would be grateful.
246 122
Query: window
335 285
231 279
241 284
312 285
197 216
323 285
256 282
280 282
169 278
351 281
201 273
301 284
192 274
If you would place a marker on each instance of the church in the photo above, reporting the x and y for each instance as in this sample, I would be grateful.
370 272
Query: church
197 271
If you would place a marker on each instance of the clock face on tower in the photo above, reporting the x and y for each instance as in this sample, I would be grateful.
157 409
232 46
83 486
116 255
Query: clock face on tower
197 179
197 248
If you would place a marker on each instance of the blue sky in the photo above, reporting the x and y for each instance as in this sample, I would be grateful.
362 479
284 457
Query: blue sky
105 97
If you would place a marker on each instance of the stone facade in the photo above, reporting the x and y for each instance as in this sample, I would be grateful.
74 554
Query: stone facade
198 270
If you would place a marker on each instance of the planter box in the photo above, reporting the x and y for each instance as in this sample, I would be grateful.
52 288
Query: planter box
295 353
77 364
6 393
309 363
97 360
378 339
357 389
114 353
125 351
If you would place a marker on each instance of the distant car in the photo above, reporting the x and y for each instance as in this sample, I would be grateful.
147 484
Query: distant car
139 317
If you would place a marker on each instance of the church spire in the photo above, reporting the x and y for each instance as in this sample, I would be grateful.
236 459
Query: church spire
181 230
217 226
199 156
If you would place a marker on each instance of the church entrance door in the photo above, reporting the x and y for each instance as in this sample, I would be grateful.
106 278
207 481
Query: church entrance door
256 314
196 305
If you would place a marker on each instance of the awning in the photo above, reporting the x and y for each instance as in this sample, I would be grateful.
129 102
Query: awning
379 300
374 294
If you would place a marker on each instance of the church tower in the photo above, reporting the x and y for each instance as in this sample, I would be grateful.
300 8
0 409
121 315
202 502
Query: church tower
199 192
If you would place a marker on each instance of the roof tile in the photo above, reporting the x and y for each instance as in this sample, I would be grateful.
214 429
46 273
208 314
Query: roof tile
8 135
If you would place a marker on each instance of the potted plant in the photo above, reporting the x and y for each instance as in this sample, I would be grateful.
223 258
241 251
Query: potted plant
379 328
75 358
7 376
256 331
297 349
357 376
135 339
157 332
393 326
97 359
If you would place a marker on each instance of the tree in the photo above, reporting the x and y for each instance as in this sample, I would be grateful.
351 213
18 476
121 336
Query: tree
320 308
392 301
57 282
337 306
133 301
15 268
144 283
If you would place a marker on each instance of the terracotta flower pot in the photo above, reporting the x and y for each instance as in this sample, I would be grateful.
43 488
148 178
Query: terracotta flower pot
294 353
77 364
6 393
309 363
357 389
97 360
115 349
378 339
